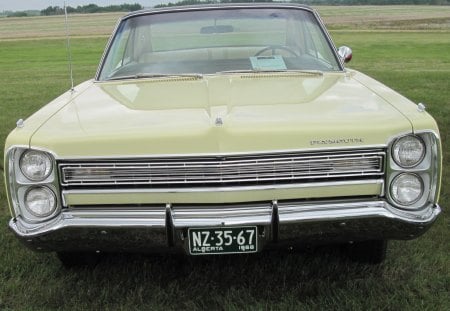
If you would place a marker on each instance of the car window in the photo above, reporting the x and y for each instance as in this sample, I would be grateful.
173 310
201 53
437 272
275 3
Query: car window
214 41
318 46
120 54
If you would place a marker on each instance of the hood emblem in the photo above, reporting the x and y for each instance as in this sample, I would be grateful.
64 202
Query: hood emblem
337 141
219 121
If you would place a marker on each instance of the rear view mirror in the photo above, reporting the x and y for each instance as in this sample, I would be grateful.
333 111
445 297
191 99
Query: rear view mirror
217 29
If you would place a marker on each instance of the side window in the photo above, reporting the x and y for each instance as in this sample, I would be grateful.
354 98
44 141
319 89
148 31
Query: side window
140 43
317 46
120 50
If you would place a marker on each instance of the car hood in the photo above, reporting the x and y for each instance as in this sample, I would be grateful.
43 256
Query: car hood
220 114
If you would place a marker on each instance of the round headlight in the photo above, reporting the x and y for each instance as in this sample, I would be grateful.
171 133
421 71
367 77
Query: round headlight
40 201
35 165
406 189
408 151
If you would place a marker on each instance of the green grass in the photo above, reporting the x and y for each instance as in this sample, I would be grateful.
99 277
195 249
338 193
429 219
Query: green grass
388 17
416 274
54 26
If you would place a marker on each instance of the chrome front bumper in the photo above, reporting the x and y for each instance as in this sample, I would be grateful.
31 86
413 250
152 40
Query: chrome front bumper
156 228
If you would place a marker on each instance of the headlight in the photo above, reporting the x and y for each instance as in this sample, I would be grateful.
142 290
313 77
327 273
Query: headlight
406 189
40 201
35 165
408 151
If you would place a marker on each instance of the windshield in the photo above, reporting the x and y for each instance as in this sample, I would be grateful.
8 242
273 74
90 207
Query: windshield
217 41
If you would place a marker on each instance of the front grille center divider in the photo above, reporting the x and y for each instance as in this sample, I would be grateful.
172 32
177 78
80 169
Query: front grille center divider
275 220
170 228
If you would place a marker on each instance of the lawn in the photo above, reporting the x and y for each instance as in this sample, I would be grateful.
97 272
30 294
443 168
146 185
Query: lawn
415 275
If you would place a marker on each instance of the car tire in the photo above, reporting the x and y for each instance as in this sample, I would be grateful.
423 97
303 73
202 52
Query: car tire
78 259
369 252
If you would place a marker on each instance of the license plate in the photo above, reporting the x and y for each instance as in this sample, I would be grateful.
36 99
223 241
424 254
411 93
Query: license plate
226 240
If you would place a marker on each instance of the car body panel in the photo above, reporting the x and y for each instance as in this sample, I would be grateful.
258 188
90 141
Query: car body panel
291 113
420 120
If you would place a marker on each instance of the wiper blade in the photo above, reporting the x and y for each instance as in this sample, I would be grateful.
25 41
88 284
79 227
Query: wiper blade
236 71
312 72
157 75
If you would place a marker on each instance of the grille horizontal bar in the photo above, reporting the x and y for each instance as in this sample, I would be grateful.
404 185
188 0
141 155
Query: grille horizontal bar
224 170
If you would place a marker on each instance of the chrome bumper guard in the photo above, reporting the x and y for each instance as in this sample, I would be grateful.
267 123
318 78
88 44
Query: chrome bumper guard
164 227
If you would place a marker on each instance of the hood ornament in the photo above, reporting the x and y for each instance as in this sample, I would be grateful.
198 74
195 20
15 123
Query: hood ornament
421 107
20 123
219 121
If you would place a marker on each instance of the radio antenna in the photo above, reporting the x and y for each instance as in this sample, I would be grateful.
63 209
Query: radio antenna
69 53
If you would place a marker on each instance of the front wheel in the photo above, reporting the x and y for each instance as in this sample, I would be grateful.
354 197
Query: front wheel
371 252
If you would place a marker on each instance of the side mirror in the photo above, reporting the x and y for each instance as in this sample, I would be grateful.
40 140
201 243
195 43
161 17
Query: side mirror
345 53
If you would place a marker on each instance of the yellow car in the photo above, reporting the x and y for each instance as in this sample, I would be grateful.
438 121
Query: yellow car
223 129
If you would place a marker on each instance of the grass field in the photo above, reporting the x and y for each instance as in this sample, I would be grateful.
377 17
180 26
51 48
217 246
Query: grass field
385 17
415 276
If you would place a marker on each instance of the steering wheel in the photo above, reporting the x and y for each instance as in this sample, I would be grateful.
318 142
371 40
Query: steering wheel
273 48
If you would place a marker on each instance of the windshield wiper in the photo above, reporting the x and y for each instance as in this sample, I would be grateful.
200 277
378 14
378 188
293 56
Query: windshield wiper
157 75
312 72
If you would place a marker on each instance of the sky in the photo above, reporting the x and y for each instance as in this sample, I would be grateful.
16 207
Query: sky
20 5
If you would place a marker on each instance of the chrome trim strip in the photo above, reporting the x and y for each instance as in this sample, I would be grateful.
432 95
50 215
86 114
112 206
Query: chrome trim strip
227 6
223 154
436 163
10 183
107 48
331 44
222 216
241 160
118 214
92 218
224 189
289 213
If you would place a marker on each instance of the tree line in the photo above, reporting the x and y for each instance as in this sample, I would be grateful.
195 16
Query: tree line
91 8
375 2
317 2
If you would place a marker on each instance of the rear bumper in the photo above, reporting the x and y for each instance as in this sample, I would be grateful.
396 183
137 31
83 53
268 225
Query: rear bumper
164 228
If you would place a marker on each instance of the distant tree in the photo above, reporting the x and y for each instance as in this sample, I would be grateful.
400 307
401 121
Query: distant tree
17 14
92 8
249 1
71 9
131 7
185 2
52 10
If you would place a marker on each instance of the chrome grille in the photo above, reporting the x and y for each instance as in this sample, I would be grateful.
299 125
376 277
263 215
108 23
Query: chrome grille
281 168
